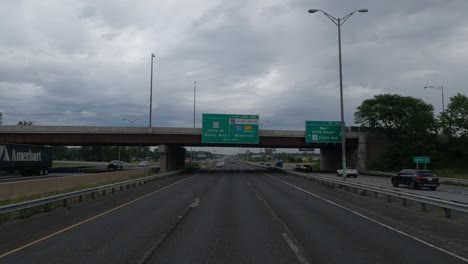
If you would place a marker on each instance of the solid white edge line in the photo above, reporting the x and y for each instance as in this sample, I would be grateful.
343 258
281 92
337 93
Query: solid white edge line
375 221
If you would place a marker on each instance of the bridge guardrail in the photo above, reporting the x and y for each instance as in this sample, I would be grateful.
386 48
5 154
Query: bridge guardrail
89 168
446 205
93 191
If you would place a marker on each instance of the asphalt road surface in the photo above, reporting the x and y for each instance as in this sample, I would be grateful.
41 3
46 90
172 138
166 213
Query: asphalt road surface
235 214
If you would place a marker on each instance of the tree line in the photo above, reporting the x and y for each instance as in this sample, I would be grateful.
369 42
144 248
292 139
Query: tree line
413 129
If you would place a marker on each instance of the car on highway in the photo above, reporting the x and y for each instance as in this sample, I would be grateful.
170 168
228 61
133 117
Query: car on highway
350 172
115 164
416 179
220 164
144 163
268 164
303 167
279 164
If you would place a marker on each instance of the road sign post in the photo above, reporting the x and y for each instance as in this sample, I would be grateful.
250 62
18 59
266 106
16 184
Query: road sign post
230 129
419 160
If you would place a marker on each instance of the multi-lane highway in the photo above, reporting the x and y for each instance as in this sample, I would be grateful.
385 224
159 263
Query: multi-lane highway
235 214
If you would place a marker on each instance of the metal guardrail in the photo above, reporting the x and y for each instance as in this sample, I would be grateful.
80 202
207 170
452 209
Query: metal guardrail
93 191
390 174
446 205
453 180
92 168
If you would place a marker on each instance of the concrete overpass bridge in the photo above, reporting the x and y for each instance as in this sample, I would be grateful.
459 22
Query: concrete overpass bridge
362 148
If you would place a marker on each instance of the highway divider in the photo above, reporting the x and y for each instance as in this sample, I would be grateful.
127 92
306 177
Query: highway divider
93 192
423 201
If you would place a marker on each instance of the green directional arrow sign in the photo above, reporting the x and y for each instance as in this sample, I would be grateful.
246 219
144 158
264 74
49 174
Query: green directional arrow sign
323 131
230 129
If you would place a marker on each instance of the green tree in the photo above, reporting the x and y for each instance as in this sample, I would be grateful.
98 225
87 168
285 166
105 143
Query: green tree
408 122
397 115
25 123
455 119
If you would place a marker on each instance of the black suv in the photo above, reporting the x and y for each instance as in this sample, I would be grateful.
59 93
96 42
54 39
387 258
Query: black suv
416 178
115 164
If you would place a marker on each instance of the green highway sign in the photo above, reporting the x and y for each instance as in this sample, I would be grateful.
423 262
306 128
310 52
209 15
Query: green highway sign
230 129
323 131
421 159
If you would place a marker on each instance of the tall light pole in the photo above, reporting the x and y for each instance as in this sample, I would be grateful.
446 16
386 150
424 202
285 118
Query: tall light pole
131 121
438 88
339 22
194 96
151 90
264 122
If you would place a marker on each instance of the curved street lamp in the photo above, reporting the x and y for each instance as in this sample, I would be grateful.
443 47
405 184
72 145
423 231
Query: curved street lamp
438 88
131 121
151 91
339 22
264 122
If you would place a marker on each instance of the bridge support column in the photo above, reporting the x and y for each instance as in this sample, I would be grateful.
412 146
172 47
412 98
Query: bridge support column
171 158
330 158
362 152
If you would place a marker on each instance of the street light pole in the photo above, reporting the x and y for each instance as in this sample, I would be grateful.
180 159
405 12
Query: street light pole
438 88
343 137
130 148
151 90
131 121
339 22
194 96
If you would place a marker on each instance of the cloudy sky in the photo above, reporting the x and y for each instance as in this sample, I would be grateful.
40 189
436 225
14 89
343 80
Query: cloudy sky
87 62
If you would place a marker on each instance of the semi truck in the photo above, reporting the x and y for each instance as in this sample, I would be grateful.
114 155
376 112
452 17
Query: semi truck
27 159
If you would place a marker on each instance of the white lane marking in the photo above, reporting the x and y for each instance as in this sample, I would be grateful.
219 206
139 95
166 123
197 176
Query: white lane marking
258 196
294 248
275 217
195 203
375 221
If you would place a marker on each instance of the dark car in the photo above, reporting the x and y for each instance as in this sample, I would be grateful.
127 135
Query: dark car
115 164
306 167
416 179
